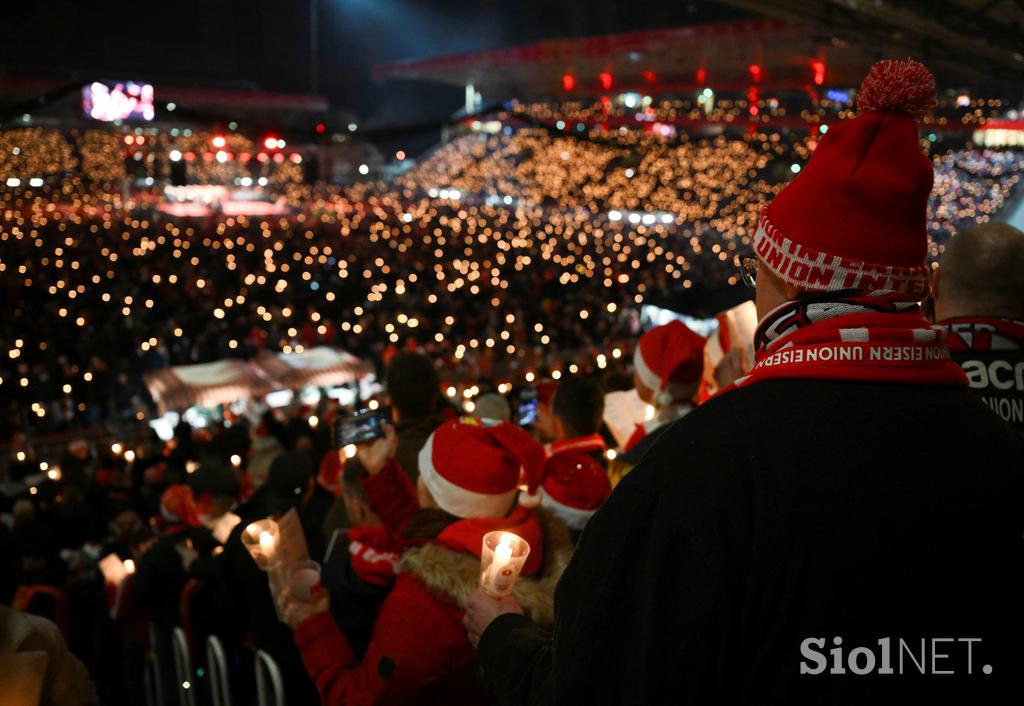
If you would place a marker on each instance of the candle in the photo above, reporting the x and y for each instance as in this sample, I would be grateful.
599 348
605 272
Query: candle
260 538
502 558
267 545
302 577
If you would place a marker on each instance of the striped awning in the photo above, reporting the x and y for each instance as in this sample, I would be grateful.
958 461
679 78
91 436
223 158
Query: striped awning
207 385
317 367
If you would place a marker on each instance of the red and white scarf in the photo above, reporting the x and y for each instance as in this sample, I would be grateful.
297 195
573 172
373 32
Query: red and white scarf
983 334
867 336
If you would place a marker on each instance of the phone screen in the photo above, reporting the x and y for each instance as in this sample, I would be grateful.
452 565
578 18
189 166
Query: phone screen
526 411
361 427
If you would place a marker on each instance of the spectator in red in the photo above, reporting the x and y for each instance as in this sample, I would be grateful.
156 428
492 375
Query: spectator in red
419 651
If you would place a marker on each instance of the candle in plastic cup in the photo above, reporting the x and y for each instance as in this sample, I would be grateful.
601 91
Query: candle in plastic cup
261 538
501 560
302 577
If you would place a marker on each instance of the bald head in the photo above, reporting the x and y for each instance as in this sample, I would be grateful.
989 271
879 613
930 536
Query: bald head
981 274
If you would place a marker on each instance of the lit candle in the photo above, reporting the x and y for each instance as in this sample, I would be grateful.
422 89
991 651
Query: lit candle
503 556
129 566
267 544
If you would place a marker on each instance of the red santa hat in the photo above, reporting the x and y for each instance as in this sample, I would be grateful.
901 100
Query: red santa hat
178 505
855 217
574 487
670 359
473 468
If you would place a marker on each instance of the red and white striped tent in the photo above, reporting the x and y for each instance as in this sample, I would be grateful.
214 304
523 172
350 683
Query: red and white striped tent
317 367
207 385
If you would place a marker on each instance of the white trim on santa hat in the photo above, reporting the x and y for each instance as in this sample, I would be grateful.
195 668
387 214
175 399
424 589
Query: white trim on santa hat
455 499
647 376
573 517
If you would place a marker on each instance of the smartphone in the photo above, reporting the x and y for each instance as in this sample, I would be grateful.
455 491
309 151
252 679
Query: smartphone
365 425
526 409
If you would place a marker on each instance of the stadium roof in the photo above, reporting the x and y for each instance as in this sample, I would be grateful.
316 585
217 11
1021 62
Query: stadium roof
718 54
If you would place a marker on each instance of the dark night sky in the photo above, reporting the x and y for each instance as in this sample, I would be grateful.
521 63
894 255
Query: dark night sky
264 43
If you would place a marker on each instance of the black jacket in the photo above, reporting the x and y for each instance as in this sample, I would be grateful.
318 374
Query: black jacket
787 511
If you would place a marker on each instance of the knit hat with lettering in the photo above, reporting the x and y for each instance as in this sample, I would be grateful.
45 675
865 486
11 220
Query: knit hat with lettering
855 217
473 467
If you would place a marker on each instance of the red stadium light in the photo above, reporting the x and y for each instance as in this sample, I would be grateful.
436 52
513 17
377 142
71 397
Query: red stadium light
819 72
129 140
279 158
650 77
755 73
568 82
262 157
702 76
190 156
320 127
270 143
244 157
606 80
218 141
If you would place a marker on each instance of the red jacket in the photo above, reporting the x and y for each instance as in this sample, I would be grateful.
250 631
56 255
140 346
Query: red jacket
419 652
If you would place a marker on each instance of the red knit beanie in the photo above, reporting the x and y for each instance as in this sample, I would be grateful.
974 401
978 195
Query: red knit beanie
574 487
473 468
855 217
670 358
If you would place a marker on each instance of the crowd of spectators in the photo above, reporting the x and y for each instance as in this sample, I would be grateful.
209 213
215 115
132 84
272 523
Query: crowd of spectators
469 256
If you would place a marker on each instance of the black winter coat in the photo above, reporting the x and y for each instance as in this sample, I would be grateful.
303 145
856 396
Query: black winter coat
786 512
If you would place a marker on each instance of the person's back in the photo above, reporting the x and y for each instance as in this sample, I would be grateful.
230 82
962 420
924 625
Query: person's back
843 523
810 531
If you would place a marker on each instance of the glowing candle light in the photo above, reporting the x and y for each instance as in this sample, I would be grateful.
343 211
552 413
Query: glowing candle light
502 559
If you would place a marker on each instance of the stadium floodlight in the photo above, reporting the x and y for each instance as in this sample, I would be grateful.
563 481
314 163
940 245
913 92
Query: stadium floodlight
795 168
615 216
175 155
13 181
35 181
364 169
352 127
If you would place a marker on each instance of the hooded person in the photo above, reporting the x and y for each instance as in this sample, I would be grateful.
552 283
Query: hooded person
470 474
849 495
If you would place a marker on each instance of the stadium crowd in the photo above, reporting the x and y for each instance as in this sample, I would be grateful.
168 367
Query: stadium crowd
498 262
517 222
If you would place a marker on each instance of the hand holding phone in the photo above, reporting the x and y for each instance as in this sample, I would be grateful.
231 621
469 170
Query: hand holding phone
377 454
361 427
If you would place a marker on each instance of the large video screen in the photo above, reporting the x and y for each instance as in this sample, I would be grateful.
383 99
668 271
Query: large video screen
125 100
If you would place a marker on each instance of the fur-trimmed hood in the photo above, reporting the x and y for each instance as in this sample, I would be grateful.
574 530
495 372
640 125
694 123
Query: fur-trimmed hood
455 574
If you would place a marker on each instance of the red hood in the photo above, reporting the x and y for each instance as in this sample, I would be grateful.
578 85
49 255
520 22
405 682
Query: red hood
468 535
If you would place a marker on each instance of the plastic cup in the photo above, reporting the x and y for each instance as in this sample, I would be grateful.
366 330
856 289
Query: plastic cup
501 560
263 539
302 577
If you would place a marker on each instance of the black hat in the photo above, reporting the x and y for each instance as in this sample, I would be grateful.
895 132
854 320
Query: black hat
289 476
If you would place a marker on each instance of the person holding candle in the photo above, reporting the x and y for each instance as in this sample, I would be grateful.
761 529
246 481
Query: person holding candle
419 653
850 488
